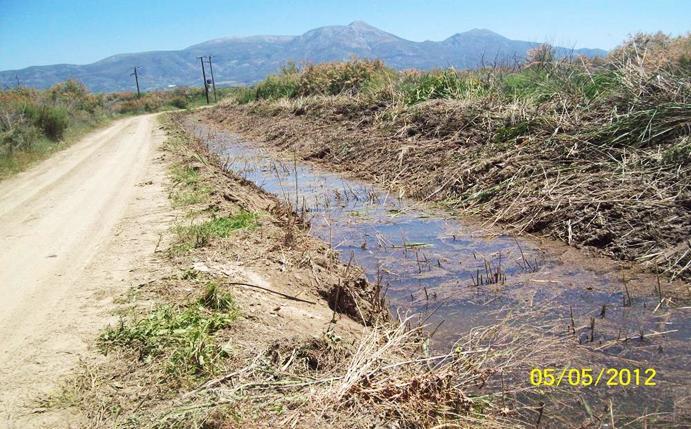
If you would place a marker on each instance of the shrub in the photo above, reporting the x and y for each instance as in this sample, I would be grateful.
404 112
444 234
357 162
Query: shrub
283 85
655 51
53 121
180 103
27 115
245 95
540 57
19 138
74 96
347 78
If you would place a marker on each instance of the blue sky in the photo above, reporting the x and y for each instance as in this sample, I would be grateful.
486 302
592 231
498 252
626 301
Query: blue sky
37 32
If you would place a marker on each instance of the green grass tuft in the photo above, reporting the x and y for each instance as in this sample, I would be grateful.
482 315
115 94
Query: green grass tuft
192 192
214 298
443 84
191 197
185 175
199 235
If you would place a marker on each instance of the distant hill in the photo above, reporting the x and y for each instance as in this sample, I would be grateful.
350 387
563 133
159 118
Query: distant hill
246 60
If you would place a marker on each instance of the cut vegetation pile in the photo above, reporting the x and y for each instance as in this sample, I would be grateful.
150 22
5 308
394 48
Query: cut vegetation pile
595 153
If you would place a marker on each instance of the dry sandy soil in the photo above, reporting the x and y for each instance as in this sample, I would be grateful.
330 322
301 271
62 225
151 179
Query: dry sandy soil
75 231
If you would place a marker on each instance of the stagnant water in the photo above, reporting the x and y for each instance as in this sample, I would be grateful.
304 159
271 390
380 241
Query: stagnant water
457 275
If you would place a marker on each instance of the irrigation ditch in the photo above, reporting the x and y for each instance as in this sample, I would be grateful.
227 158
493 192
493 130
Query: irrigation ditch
453 275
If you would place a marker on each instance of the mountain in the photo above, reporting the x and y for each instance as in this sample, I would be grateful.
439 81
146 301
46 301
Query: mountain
244 60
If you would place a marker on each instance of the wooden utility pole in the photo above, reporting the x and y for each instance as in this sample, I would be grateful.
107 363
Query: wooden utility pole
136 79
213 81
206 86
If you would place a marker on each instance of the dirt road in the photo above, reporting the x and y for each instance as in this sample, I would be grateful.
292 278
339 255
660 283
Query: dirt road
75 231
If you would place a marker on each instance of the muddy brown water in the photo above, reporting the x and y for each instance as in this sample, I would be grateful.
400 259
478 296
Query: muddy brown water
456 274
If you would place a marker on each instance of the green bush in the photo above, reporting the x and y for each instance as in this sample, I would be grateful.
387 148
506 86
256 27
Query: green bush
30 119
349 77
53 121
245 95
180 103
281 86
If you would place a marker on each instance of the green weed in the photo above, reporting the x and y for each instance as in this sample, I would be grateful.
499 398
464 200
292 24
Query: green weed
199 235
600 84
214 298
512 131
192 192
679 153
644 127
184 334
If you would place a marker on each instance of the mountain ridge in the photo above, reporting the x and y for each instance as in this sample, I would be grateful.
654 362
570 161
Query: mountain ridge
245 60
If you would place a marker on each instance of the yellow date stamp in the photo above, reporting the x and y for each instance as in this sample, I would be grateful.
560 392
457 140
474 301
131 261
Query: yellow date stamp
585 377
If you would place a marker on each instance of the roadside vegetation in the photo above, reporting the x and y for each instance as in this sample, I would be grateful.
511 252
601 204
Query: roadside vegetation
593 152
36 123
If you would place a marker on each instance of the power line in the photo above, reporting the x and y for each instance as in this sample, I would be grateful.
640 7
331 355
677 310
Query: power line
136 79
